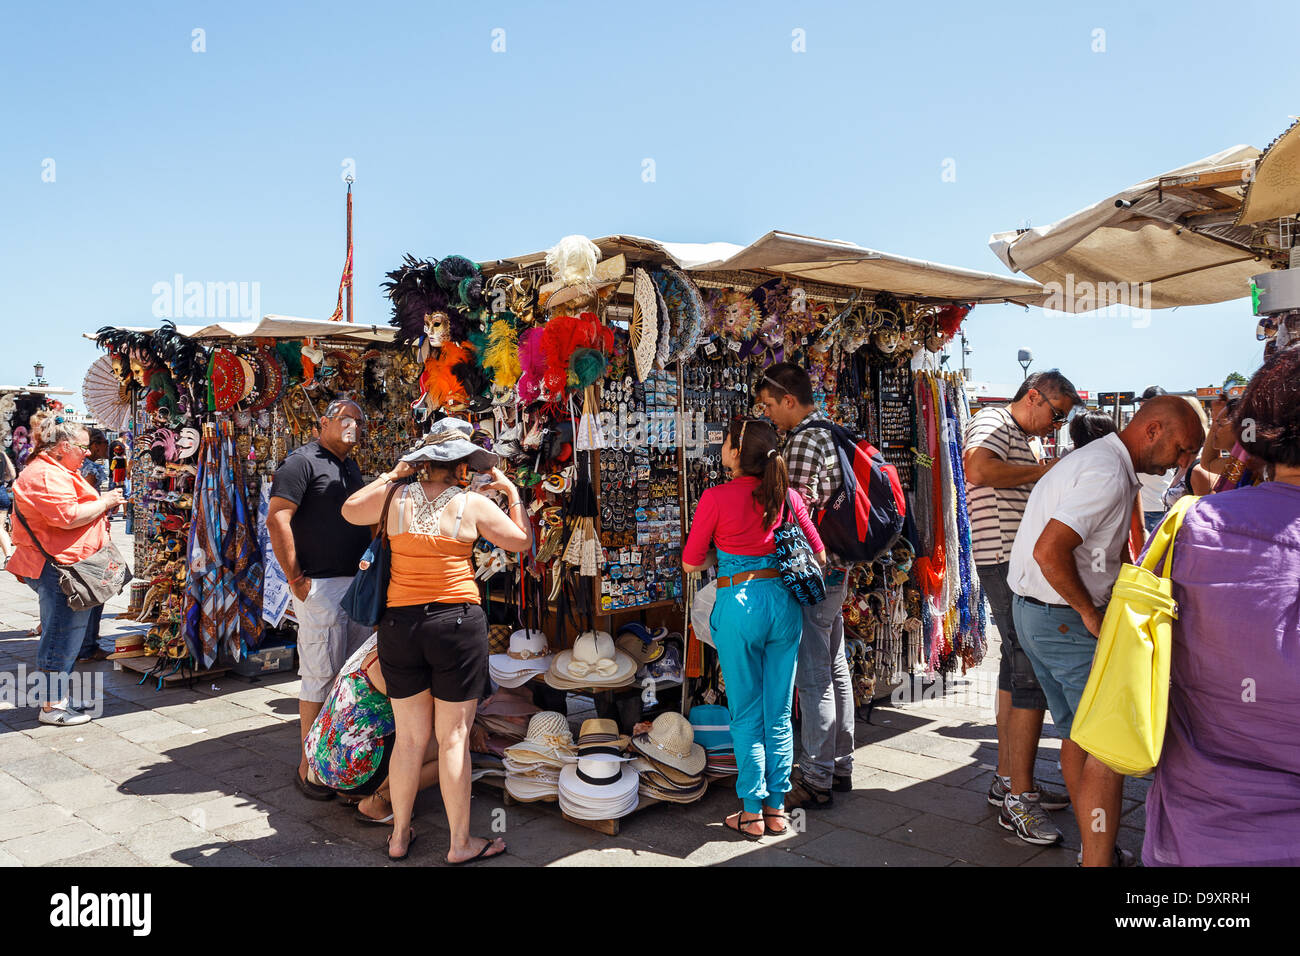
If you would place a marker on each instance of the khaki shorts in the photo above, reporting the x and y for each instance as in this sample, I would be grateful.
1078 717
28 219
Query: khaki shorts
327 637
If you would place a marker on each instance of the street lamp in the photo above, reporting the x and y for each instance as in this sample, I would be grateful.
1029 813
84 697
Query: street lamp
39 379
1025 357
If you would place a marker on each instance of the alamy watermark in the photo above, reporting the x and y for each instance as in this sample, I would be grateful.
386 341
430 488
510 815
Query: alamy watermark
177 299
1116 300
32 689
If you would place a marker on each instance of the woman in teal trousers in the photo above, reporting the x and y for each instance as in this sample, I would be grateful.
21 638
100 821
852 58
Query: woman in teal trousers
756 622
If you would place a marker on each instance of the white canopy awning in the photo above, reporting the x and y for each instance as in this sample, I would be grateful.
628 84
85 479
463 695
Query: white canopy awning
830 261
1168 241
278 327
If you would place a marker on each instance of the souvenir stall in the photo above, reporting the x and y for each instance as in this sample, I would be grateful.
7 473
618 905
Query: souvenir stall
604 374
18 403
214 410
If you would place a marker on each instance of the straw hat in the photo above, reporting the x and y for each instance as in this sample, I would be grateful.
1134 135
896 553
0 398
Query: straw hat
548 740
664 775
600 735
532 790
528 656
598 788
449 440
671 743
594 661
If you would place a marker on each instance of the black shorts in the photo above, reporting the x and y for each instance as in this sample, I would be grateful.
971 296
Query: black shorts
441 648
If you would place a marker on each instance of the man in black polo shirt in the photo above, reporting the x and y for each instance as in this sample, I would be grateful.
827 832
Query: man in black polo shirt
319 551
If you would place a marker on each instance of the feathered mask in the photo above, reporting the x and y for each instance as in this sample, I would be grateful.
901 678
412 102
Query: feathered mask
421 306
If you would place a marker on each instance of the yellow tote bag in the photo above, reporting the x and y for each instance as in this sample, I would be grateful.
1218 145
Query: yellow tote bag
1122 713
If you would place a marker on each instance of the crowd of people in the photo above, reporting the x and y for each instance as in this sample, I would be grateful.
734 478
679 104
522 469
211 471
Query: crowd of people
387 711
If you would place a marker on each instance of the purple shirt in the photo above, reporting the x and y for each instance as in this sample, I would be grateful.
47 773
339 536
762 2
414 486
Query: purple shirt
1227 789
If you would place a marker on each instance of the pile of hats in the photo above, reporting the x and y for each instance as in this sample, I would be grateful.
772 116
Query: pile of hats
593 662
601 784
711 724
528 656
534 764
670 762
667 667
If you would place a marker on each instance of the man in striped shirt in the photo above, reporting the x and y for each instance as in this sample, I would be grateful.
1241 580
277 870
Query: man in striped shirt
1001 469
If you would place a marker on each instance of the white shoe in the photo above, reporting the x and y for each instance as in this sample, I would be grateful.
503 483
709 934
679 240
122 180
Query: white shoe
63 717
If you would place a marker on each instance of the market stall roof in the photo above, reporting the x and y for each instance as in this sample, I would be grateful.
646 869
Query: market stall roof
35 389
830 261
278 327
1185 235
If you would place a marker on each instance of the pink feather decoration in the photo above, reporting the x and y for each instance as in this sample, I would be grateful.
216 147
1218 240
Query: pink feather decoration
532 365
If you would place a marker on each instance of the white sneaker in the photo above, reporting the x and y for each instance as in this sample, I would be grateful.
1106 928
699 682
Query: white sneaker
62 717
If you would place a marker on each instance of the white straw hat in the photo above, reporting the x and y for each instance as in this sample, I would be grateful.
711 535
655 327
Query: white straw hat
548 740
527 657
594 661
598 787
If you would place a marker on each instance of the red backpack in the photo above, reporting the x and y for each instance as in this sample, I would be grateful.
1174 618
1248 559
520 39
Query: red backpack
864 516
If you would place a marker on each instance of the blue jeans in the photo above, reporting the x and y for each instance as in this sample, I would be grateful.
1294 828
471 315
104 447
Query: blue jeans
1061 650
756 627
92 638
62 629
825 685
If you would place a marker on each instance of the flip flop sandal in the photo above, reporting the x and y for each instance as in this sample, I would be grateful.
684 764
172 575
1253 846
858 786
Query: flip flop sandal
727 822
409 843
386 821
482 854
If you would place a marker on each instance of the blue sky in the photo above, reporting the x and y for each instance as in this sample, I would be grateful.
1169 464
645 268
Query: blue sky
225 165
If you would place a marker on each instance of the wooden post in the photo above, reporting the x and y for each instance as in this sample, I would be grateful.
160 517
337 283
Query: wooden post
349 248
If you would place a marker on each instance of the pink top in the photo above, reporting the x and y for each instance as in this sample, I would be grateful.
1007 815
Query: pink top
729 516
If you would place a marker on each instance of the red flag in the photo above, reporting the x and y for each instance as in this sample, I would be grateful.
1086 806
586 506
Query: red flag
344 283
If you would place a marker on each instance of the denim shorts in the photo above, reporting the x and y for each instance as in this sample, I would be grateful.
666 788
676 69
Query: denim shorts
1015 673
1061 650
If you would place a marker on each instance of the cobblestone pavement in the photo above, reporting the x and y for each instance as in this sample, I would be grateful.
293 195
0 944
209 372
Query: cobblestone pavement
201 777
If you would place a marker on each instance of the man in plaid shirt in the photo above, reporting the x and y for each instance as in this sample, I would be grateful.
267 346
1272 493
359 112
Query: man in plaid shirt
823 679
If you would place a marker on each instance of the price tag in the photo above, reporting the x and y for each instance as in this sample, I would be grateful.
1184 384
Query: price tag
734 345
711 348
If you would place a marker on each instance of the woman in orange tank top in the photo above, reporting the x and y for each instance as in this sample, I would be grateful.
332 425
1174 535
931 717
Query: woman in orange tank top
433 637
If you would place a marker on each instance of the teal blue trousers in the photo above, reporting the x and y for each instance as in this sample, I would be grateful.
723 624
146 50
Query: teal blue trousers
756 628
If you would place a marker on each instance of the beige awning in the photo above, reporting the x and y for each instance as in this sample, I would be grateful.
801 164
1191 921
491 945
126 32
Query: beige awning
1171 240
830 261
277 327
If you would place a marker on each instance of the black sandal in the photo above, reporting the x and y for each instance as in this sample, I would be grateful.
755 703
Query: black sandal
776 813
482 854
745 823
388 845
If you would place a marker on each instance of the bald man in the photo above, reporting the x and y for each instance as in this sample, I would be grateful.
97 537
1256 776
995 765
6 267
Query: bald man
1064 562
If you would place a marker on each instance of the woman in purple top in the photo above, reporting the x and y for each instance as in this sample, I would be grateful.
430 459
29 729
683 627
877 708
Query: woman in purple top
1227 789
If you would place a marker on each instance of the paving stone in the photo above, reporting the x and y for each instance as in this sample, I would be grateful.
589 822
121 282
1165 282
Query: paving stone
223 854
82 792
766 856
29 820
8 859
14 794
124 816
222 811
918 766
962 841
255 776
177 788
155 729
205 712
953 803
618 851
546 839
111 855
71 839
850 848
115 753
422 854
16 748
169 841
278 834
139 768
868 814
46 768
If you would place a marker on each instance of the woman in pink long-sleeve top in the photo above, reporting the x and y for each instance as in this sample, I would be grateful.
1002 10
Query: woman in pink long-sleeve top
756 621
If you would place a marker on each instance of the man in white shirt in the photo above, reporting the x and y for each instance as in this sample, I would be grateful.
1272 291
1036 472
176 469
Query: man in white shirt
1066 557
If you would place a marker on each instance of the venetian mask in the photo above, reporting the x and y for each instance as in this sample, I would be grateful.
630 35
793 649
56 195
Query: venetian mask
437 326
887 340
138 373
187 442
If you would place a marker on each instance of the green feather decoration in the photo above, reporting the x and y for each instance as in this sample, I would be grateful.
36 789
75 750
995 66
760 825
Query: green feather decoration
586 367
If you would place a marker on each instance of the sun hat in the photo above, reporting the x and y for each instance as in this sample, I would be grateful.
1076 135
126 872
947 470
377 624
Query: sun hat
527 656
448 440
664 775
598 788
671 742
594 661
548 740
530 790
601 735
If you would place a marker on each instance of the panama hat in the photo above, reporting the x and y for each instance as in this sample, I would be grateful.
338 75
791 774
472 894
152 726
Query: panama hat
664 775
528 789
671 742
594 661
598 787
448 440
600 735
527 657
